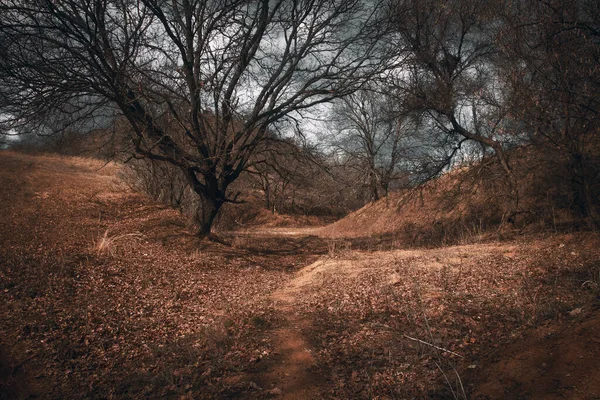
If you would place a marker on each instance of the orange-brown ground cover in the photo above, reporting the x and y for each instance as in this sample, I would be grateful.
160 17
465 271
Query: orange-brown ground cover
106 295
146 310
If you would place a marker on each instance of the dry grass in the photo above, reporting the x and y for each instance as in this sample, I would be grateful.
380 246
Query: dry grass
121 245
337 247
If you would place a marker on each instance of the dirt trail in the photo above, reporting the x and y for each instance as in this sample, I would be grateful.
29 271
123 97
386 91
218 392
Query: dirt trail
292 377
293 374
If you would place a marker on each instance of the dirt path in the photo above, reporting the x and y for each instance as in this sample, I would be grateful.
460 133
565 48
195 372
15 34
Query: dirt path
293 376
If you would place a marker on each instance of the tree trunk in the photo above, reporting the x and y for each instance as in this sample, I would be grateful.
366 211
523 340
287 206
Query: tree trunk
582 192
374 193
592 212
373 185
266 186
267 196
206 215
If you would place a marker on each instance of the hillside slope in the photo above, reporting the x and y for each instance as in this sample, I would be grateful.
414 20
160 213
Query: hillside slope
468 203
425 216
378 218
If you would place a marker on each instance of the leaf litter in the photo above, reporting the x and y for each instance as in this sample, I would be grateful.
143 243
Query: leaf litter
157 313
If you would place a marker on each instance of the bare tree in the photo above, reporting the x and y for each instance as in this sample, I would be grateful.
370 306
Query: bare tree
199 81
373 136
553 89
450 79
278 165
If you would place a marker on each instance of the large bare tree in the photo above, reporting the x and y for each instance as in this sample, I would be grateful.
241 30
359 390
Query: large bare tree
450 79
200 82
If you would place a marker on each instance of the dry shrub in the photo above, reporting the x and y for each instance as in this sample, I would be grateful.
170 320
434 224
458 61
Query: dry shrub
337 248
119 244
163 183
166 184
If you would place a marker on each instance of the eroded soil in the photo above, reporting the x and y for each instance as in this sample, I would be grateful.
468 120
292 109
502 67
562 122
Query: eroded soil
104 294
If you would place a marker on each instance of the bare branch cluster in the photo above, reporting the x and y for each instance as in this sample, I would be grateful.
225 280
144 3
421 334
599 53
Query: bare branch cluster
200 82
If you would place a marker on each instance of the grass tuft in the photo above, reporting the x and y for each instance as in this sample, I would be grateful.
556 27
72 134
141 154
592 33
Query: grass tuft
119 244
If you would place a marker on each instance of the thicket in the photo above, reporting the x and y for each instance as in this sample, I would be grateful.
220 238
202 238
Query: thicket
287 180
474 202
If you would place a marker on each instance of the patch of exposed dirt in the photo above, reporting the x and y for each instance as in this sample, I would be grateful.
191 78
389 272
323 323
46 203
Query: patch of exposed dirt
291 374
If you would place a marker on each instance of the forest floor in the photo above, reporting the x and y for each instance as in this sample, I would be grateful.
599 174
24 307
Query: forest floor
104 294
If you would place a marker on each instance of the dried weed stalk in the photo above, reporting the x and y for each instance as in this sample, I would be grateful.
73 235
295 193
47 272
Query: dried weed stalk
119 244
